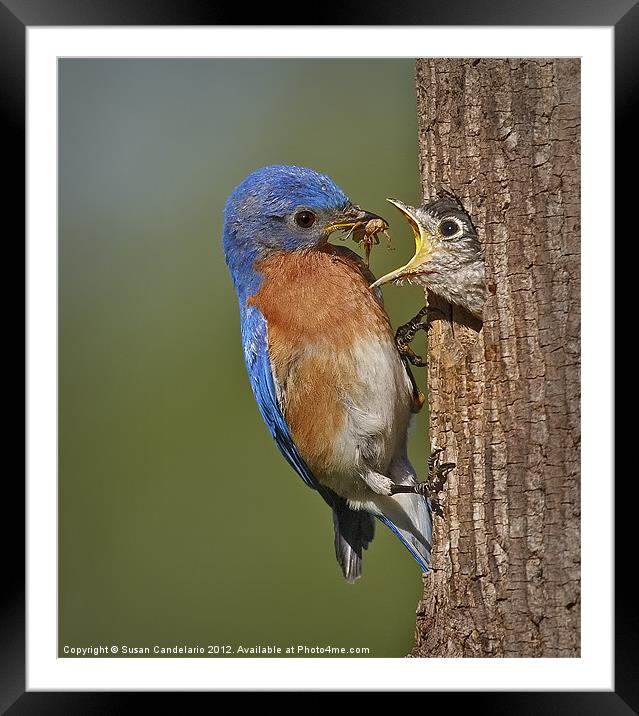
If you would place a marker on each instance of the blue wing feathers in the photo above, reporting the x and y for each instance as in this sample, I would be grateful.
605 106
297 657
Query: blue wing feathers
254 340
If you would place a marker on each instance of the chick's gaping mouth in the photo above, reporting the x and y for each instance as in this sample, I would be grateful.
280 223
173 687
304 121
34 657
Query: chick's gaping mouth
418 265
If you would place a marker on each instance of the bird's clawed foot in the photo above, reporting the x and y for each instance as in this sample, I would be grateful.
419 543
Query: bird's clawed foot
433 485
404 336
436 480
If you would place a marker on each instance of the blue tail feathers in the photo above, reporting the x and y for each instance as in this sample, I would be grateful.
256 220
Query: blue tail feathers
410 518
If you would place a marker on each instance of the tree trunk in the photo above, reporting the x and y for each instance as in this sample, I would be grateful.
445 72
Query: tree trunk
504 402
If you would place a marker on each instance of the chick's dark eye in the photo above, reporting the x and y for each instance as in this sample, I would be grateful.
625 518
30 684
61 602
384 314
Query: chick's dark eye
449 227
305 219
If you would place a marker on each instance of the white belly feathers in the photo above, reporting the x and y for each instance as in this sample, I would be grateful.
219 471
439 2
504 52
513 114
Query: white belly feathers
378 409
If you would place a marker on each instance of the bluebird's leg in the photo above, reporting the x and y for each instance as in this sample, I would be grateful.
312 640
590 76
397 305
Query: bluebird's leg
419 488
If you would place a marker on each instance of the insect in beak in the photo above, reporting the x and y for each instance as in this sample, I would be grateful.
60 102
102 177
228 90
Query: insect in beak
364 228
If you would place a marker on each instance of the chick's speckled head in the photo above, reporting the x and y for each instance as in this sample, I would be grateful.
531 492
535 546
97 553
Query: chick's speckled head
450 228
448 260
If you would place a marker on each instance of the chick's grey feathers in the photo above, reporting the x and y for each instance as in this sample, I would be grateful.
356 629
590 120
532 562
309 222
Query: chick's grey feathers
455 269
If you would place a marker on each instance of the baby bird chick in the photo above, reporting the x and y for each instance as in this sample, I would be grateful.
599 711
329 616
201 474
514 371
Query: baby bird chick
448 261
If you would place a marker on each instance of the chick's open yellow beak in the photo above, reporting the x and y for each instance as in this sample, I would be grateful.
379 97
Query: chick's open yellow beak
422 246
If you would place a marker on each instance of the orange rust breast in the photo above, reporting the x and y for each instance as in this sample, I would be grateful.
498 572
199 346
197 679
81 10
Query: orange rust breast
317 305
318 296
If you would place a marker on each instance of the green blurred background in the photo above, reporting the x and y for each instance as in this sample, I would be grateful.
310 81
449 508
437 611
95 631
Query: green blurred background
179 521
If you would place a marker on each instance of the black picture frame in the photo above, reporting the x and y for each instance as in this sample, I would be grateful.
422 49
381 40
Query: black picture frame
17 15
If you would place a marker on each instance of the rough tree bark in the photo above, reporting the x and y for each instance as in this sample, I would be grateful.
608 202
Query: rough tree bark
504 402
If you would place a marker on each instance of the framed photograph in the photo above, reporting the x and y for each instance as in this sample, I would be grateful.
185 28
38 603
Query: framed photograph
317 319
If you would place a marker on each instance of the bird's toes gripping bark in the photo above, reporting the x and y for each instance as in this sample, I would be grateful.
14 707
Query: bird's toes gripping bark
406 333
437 474
433 485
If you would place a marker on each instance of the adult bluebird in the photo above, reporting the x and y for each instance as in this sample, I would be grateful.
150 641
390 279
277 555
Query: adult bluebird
321 357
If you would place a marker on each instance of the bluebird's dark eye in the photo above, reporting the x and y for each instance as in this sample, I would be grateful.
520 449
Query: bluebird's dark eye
449 228
305 219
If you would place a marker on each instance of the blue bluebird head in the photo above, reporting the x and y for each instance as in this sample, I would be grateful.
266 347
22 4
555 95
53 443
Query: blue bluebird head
283 208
